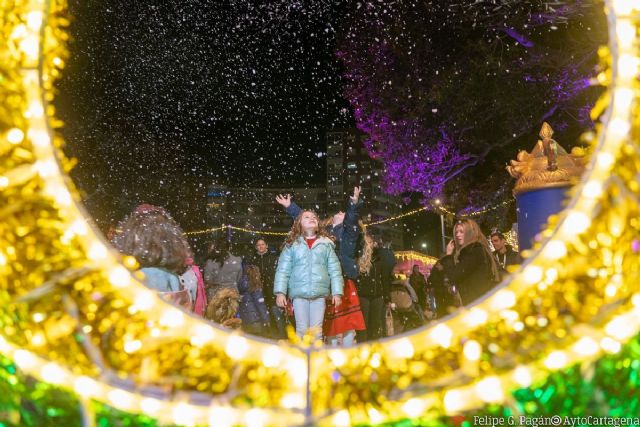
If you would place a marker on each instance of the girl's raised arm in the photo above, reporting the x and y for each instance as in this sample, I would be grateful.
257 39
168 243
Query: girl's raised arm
335 274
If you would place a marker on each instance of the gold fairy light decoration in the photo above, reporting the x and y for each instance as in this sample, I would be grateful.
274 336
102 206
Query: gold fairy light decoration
59 279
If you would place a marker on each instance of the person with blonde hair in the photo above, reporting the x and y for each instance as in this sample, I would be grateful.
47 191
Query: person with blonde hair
469 264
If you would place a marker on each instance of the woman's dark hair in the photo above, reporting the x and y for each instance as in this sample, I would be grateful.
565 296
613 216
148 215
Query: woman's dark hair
152 236
222 250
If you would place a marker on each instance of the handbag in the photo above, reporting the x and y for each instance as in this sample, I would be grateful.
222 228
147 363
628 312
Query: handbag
289 308
388 321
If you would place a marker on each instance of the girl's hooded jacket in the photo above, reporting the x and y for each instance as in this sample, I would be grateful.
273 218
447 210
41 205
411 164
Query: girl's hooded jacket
309 273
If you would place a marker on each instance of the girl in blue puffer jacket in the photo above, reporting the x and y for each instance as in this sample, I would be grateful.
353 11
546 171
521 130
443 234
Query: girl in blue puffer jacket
308 271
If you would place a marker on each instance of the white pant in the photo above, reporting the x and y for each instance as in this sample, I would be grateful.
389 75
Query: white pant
309 315
347 339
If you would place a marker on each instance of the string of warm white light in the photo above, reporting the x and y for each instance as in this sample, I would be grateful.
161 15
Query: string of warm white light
382 221
474 213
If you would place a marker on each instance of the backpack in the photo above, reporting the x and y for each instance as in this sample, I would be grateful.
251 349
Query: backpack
192 281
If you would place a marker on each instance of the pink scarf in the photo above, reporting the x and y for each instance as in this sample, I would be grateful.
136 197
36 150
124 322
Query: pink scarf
200 305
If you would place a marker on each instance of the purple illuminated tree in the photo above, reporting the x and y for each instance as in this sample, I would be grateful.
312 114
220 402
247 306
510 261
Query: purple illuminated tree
448 92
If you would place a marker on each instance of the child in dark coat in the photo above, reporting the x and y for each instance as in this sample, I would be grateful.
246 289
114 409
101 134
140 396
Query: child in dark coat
253 311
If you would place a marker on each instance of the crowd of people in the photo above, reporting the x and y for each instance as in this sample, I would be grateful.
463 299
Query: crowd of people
333 279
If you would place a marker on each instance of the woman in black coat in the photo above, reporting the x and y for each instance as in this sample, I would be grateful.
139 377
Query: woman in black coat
469 264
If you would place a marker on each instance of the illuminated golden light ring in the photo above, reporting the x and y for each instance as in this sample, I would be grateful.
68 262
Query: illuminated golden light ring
99 254
573 222
580 212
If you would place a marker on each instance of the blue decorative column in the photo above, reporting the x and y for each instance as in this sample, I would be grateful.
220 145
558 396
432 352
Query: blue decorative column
544 176
533 209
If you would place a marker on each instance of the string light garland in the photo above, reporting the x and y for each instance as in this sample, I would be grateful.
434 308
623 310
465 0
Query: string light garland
382 221
393 218
75 315
415 256
208 230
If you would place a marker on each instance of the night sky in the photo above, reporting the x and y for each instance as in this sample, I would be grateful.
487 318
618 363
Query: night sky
162 98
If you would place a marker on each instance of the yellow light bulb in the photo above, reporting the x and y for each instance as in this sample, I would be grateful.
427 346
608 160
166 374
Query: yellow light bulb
132 346
38 339
222 416
30 46
586 346
184 414
556 360
414 407
605 161
441 335
627 66
97 251
46 168
272 357
610 345
375 416
4 346
143 300
15 136
79 227
550 275
36 110
619 127
577 222
503 299
592 189
85 386
490 390
476 317
472 350
119 277
626 33
120 398
19 32
375 361
202 334
237 347
454 401
522 376
34 20
298 372
25 360
150 406
256 417
620 328
337 358
555 249
622 99
622 7
171 318
52 373
292 400
342 419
